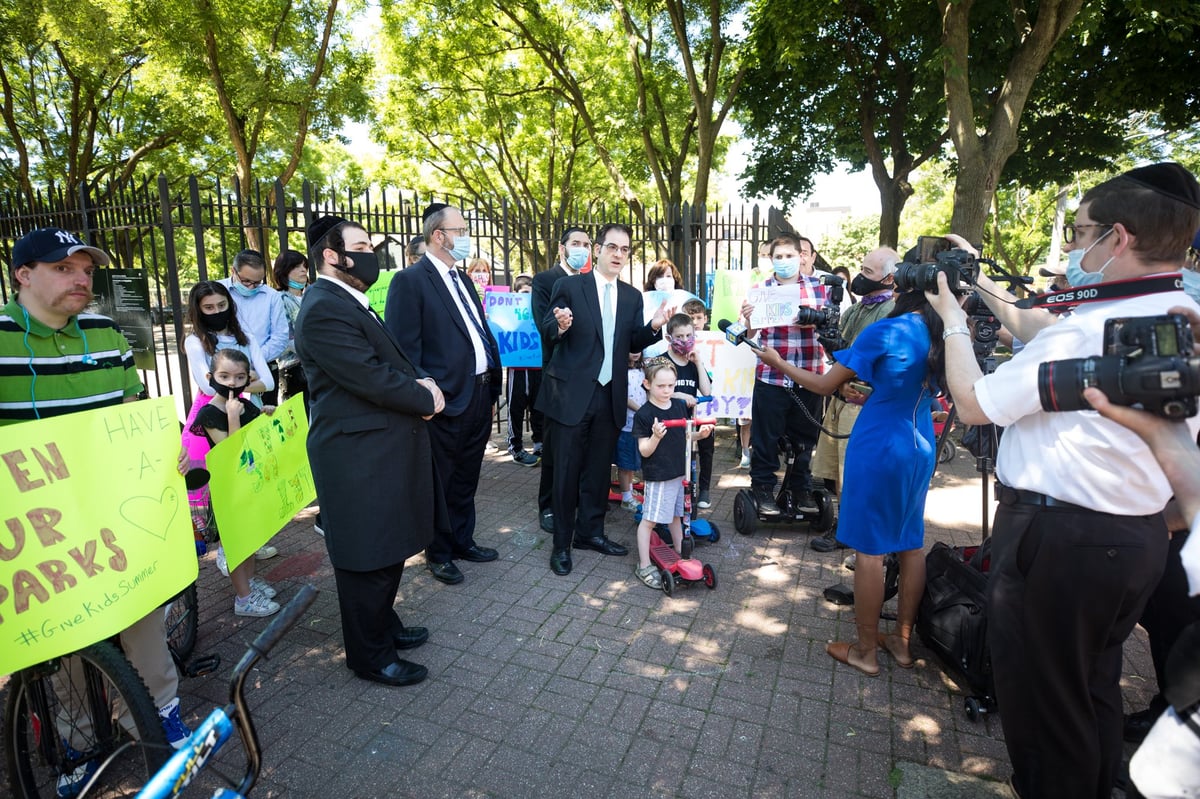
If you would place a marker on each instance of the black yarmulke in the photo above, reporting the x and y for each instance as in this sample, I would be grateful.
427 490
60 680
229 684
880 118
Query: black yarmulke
1168 179
321 226
432 209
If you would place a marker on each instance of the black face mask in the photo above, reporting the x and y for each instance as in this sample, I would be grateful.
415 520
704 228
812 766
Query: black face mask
225 391
217 321
366 266
863 285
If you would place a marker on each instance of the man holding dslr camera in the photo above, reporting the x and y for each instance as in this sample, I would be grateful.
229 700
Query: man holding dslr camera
1079 539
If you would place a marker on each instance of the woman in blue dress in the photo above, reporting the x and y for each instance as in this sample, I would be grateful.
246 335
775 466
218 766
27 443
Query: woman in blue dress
889 460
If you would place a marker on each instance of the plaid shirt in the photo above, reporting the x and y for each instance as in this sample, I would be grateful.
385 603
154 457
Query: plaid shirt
798 345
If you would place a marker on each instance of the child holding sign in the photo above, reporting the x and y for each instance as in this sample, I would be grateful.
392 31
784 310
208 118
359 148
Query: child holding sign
216 421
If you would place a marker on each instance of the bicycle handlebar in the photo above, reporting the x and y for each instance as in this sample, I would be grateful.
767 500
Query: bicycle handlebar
287 618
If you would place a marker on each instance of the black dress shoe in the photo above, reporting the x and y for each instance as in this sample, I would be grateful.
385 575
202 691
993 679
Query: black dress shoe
447 572
411 637
560 562
402 672
546 520
601 545
478 554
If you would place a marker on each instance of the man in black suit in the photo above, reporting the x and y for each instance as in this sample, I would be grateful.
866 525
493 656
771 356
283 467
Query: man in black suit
573 250
434 312
369 449
595 321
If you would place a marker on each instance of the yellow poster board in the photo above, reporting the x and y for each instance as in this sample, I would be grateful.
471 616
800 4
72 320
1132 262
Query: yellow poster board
96 531
729 289
260 479
377 293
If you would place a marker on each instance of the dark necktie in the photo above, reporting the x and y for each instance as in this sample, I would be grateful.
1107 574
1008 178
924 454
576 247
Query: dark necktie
470 309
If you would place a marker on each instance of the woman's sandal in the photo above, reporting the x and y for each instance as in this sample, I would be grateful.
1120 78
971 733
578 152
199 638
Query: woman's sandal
843 651
888 643
649 576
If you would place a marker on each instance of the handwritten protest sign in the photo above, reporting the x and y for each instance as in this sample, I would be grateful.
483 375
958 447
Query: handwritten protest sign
510 316
732 370
729 289
96 531
773 305
653 300
260 479
377 293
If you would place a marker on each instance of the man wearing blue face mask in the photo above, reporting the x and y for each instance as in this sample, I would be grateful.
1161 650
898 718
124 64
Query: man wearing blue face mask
260 310
1079 539
776 402
436 315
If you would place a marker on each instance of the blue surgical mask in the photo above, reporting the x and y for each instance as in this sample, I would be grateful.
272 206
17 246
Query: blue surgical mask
577 257
1191 284
787 267
292 284
461 248
243 291
1075 274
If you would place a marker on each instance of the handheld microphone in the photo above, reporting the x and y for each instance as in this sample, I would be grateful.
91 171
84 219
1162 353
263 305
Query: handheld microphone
736 334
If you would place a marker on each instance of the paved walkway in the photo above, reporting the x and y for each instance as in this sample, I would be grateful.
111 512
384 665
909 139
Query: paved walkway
592 685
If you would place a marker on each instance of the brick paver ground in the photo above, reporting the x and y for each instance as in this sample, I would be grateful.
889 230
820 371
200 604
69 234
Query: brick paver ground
592 685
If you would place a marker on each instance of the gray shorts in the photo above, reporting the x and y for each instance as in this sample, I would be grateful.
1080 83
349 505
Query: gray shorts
663 501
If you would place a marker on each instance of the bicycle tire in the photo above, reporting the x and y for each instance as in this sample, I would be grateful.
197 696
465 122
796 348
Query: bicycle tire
183 623
35 751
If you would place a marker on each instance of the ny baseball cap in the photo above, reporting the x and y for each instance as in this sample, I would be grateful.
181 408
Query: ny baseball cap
50 245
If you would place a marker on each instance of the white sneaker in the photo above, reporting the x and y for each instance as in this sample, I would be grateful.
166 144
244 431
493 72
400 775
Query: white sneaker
255 605
745 462
222 566
261 586
266 552
630 505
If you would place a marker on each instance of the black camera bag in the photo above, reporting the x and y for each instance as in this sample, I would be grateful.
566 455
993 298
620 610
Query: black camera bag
953 615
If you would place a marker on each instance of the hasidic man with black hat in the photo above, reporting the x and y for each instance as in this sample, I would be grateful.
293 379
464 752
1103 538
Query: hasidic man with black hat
1079 539
434 312
368 444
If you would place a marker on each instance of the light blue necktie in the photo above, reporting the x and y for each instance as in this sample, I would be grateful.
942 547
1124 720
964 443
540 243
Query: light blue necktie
610 325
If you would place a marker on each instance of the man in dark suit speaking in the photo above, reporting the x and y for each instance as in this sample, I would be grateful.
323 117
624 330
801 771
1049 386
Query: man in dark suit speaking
434 312
595 321
369 449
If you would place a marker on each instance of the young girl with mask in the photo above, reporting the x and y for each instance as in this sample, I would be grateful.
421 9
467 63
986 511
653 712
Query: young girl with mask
220 418
212 317
663 276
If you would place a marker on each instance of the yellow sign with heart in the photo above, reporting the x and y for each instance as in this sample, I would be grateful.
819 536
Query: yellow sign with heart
95 531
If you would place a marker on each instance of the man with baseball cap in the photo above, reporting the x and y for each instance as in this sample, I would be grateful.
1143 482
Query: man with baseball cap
56 359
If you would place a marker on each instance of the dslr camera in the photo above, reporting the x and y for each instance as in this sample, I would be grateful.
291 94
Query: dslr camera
959 266
826 320
1148 361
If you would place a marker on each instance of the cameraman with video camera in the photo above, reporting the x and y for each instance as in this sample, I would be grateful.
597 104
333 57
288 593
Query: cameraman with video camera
1079 539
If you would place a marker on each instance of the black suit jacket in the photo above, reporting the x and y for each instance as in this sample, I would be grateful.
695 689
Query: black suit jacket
367 443
570 377
543 287
426 322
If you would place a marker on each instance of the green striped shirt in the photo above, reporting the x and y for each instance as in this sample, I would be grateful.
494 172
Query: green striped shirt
43 371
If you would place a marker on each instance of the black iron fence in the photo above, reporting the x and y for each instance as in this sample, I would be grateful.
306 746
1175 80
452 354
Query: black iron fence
164 236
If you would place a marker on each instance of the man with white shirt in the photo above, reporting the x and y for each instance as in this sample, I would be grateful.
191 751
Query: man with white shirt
1079 539
435 314
594 322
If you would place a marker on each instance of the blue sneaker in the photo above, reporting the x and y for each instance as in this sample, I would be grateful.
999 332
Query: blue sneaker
70 784
177 732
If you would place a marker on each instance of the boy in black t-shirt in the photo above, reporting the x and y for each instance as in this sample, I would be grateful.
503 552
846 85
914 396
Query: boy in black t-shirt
663 450
692 381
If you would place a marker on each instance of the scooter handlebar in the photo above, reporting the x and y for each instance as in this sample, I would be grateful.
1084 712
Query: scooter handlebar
683 422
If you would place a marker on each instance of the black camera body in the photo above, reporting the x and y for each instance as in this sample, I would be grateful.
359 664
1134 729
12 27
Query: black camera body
959 266
826 320
985 326
1148 361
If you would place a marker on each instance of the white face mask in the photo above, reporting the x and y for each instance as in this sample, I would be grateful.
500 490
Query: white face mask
664 284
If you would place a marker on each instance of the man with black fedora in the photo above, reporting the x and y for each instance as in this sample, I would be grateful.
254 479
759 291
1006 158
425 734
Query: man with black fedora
1079 540
435 314
368 445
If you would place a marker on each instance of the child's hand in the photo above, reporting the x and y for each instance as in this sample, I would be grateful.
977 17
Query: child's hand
659 429
690 400
694 357
705 431
269 409
233 408
184 464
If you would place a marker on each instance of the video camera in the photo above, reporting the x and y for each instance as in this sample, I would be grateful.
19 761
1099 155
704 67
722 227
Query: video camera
1148 361
959 266
984 324
826 320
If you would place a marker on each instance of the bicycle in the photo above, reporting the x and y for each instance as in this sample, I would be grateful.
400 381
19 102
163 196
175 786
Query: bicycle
62 715
216 730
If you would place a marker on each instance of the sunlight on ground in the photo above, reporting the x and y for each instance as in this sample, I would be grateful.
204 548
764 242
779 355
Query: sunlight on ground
754 620
921 726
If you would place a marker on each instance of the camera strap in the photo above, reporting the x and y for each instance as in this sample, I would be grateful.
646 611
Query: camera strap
1062 301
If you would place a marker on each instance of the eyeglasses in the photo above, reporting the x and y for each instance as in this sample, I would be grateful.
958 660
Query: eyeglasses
610 247
1070 230
461 231
250 284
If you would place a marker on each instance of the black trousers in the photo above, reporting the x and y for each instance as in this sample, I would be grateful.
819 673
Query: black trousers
704 457
1168 611
582 464
546 478
777 414
1065 590
457 443
369 620
522 386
